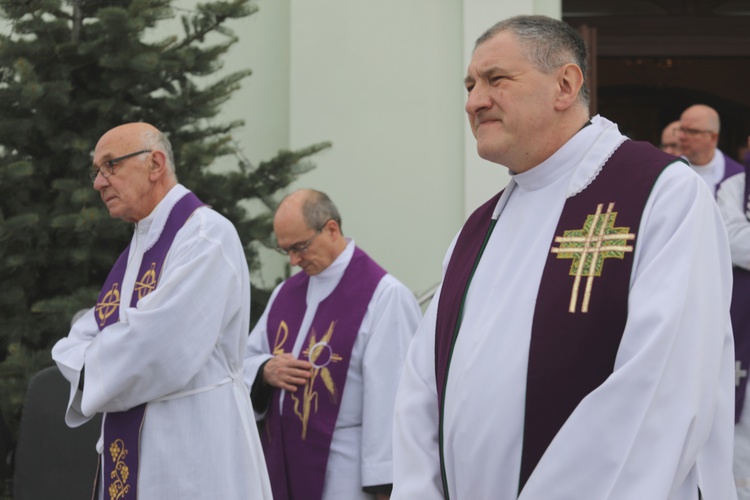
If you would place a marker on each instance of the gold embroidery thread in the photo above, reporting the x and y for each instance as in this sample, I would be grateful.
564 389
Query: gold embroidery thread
281 334
109 304
147 283
118 488
309 395
588 247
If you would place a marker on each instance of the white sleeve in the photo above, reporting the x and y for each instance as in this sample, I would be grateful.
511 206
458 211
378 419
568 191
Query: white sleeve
733 207
163 343
661 425
258 351
69 357
395 315
416 460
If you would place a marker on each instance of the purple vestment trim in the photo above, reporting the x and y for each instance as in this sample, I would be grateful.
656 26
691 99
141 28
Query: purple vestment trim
571 353
296 442
122 429
740 314
731 167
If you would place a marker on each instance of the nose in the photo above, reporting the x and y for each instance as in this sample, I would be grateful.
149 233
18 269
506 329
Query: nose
100 182
294 259
477 100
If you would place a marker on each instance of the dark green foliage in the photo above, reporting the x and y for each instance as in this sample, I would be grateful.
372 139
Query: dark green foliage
69 71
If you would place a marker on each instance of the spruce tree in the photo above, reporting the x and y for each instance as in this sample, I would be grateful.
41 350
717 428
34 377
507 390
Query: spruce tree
69 71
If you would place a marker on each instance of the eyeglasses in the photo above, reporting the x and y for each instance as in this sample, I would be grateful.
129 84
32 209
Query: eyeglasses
301 248
107 167
672 145
694 131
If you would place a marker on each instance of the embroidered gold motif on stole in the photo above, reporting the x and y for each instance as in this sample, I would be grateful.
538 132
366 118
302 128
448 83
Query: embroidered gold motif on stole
147 283
589 246
109 304
320 355
118 487
281 334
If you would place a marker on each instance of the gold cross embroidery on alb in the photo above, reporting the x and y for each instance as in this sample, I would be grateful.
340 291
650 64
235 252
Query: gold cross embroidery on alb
589 246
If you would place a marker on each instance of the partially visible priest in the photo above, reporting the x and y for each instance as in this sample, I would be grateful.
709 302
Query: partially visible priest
324 360
579 346
698 137
161 353
733 198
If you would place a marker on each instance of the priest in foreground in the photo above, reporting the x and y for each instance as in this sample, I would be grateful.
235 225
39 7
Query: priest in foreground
161 353
579 347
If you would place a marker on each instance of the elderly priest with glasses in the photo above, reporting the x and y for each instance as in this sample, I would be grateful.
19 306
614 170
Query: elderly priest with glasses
165 367
324 360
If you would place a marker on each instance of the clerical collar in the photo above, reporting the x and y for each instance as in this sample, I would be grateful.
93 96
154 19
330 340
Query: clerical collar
152 225
323 283
581 157
588 122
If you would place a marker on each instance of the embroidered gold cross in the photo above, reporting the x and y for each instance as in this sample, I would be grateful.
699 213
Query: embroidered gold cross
589 246
109 304
147 283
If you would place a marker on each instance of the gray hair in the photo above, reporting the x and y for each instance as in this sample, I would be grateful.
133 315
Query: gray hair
318 209
547 43
156 139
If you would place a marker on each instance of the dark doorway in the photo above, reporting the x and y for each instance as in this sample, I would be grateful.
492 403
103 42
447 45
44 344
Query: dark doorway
654 58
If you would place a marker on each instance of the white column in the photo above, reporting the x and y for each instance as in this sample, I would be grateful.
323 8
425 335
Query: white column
383 82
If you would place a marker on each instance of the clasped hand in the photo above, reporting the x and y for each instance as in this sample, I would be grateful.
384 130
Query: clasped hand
286 372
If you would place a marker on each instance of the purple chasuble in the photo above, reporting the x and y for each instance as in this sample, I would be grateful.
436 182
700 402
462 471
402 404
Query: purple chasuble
581 306
122 430
740 313
296 442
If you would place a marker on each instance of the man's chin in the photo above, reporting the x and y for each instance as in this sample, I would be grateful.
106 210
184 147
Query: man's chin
310 270
489 154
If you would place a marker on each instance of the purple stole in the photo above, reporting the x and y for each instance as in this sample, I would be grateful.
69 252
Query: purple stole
731 168
122 430
582 300
740 314
296 442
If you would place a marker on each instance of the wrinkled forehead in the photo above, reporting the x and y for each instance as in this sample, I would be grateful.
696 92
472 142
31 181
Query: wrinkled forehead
118 141
502 52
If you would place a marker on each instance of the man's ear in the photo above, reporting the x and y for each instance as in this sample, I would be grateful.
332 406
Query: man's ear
570 81
333 228
158 164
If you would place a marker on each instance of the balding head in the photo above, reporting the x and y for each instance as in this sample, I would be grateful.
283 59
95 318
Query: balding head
307 226
145 135
699 134
136 170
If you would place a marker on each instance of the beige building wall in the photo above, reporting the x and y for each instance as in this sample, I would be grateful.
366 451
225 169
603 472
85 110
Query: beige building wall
383 81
